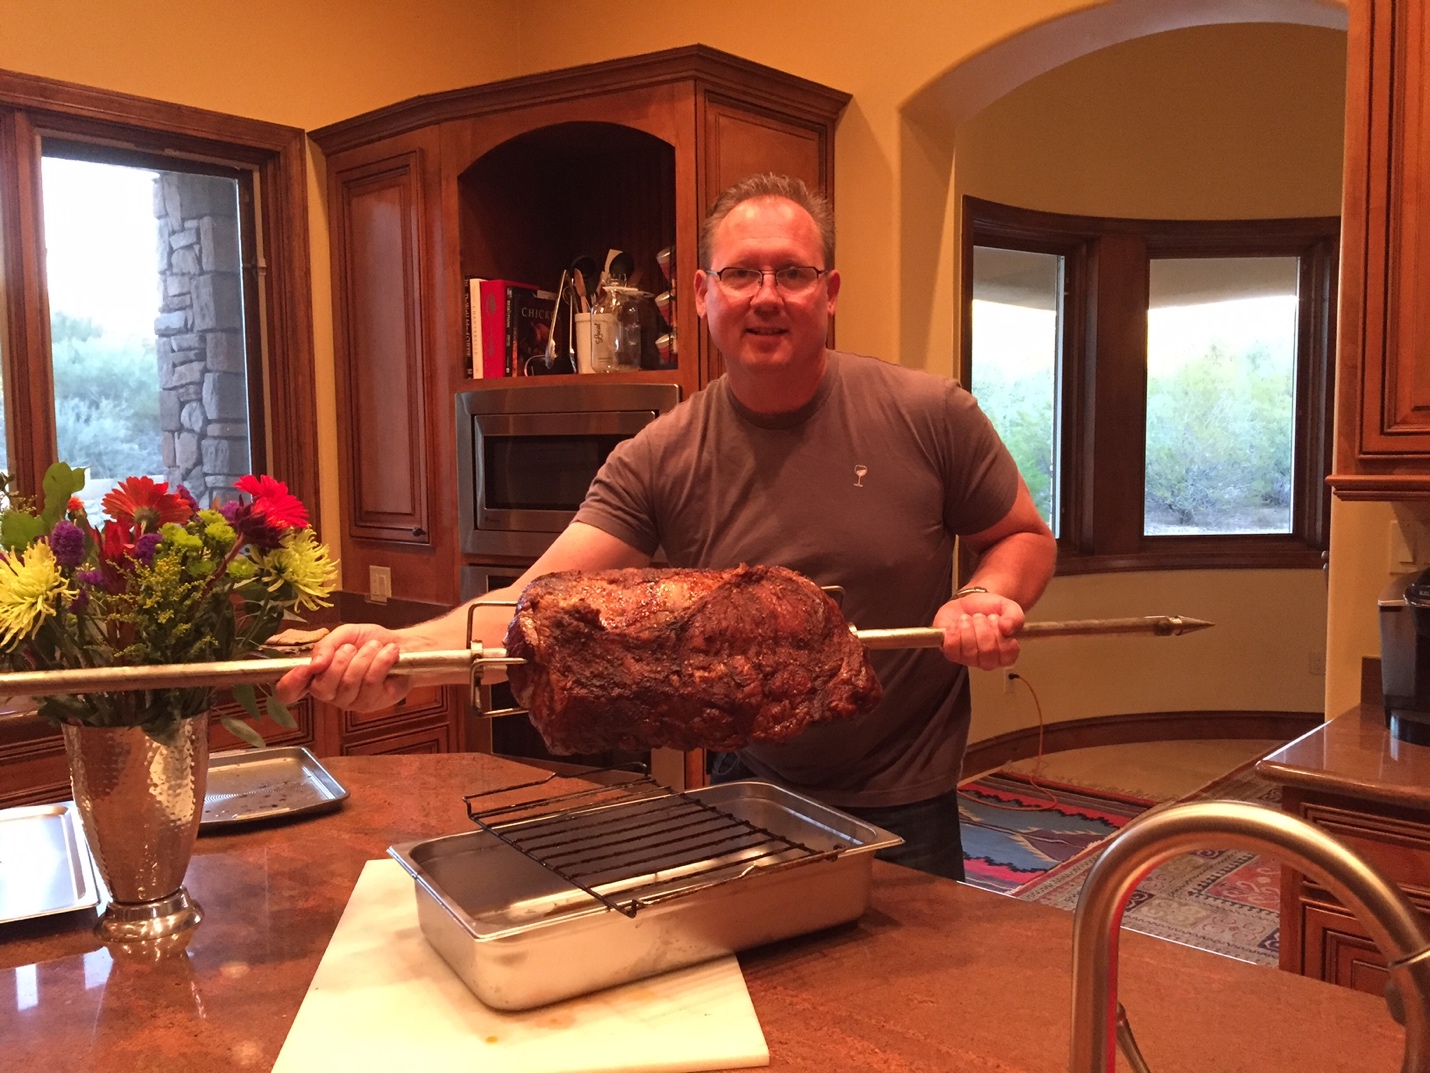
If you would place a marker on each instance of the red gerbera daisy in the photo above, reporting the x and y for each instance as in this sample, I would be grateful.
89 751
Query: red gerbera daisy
145 505
272 500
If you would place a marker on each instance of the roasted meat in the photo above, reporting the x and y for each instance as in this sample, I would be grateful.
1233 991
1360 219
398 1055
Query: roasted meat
634 659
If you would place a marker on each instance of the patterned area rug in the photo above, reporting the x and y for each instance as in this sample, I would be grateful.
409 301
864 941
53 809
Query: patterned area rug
1226 901
1015 830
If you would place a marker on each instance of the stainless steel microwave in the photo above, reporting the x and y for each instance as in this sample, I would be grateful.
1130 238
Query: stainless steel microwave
526 455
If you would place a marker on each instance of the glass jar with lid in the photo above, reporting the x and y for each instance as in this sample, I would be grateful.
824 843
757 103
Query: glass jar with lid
619 307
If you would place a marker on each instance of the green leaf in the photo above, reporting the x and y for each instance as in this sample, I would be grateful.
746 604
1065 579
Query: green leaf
239 729
164 730
60 483
245 696
19 529
279 713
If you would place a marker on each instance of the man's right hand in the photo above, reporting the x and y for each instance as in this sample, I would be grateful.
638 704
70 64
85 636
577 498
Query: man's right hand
349 668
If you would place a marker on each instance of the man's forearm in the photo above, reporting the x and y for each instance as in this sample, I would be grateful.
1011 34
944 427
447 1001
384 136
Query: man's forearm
449 631
1019 567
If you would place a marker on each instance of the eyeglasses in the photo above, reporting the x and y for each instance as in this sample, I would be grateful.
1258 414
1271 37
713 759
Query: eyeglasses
789 279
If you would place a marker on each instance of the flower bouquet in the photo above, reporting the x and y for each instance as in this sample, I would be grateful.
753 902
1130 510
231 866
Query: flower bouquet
158 580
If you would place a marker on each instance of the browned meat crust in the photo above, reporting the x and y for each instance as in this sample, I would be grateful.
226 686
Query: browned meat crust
633 659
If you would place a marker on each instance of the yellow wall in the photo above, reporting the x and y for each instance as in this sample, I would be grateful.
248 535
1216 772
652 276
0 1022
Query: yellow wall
304 63
918 70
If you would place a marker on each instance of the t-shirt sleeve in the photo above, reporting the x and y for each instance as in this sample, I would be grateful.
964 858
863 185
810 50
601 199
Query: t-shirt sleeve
982 482
620 499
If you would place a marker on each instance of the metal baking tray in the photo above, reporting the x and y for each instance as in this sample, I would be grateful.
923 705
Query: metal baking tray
245 785
45 866
520 936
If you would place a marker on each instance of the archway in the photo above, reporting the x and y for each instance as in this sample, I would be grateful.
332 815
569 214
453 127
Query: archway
930 117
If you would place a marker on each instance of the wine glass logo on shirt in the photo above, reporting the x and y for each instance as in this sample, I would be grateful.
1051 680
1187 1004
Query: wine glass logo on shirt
859 472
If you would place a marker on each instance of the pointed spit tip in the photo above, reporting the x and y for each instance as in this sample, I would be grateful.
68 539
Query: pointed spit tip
1183 624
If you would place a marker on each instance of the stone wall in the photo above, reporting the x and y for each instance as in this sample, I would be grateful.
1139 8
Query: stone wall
203 390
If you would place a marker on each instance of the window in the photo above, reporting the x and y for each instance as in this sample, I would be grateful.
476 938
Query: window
1163 385
154 315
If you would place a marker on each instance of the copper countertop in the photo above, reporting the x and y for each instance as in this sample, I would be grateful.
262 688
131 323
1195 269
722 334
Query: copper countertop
936 975
1354 755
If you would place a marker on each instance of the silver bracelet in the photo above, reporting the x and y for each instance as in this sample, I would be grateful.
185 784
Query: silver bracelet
968 590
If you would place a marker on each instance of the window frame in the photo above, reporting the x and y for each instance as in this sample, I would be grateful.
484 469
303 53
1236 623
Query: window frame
1104 377
276 266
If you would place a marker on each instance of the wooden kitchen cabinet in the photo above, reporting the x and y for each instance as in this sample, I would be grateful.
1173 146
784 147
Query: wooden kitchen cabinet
514 180
1383 389
430 719
381 263
1372 794
1319 937
33 768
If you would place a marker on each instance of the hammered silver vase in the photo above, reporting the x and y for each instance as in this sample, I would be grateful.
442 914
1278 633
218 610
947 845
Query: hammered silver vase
140 803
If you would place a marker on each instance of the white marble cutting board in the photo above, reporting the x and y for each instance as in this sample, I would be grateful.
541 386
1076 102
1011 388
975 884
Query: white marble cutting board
383 999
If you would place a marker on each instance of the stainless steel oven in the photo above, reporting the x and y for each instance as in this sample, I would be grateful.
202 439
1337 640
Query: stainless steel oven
526 455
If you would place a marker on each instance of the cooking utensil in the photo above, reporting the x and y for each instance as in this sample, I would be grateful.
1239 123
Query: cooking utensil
578 282
258 784
224 673
703 873
931 637
44 862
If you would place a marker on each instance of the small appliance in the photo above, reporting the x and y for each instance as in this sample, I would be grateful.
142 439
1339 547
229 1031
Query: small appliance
1405 656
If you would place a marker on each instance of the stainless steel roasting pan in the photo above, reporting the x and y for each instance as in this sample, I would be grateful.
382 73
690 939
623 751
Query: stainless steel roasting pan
519 935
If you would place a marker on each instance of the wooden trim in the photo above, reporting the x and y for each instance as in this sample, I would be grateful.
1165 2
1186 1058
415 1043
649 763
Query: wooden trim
29 385
1116 403
751 83
1126 729
1258 553
1379 486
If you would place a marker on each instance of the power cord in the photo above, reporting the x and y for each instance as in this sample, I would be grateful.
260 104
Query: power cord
1014 676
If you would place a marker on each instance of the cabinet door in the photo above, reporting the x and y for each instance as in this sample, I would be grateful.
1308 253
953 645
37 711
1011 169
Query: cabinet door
380 263
1383 443
426 714
741 141
1338 951
431 740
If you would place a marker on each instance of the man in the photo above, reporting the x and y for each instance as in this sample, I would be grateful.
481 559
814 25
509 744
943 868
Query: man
850 470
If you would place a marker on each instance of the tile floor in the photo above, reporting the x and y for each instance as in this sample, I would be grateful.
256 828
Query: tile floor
1160 770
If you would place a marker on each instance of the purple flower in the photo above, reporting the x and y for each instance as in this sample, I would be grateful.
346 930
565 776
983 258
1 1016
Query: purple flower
93 578
80 602
187 496
67 542
229 508
144 548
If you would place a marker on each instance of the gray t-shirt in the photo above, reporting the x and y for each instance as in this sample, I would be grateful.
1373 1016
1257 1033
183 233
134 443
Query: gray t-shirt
863 487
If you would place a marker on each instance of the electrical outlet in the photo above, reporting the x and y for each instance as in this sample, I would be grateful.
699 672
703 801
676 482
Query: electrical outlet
379 584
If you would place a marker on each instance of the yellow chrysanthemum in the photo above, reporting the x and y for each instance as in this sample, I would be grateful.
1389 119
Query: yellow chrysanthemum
304 564
30 587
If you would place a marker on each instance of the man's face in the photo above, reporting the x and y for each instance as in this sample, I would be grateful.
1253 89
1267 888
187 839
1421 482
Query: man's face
767 329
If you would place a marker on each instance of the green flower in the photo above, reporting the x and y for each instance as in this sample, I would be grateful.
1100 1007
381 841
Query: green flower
220 534
31 586
241 569
303 563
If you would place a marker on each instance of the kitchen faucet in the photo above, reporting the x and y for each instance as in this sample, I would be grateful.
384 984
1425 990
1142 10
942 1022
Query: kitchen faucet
1394 924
